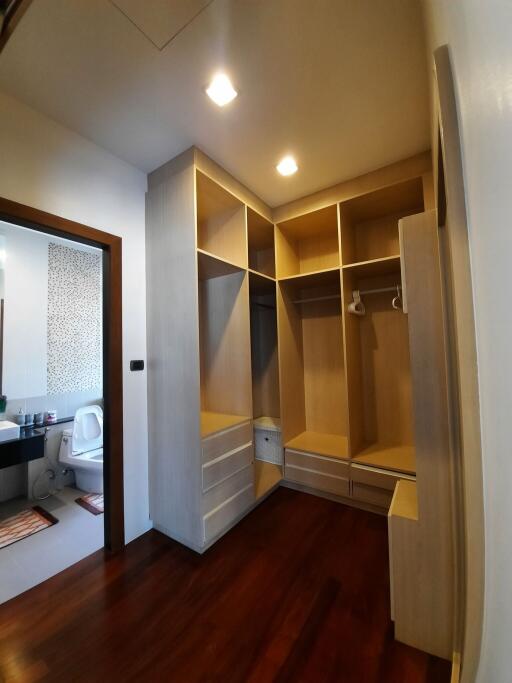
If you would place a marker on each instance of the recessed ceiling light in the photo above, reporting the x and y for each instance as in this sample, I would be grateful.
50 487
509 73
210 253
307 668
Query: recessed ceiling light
221 90
287 166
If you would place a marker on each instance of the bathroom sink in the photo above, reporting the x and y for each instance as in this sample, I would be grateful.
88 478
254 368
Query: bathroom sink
8 431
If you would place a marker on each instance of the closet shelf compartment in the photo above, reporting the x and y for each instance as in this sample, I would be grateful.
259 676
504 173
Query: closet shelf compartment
330 445
308 243
260 284
210 266
395 458
211 423
221 221
260 233
266 477
381 266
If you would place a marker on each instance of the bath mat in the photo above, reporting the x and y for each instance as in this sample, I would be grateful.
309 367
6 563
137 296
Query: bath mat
23 524
92 502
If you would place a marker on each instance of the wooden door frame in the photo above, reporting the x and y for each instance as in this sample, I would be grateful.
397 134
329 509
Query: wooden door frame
41 221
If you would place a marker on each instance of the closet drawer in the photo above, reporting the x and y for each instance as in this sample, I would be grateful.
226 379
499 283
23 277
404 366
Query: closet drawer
371 494
216 471
227 489
225 514
317 480
227 440
318 463
372 476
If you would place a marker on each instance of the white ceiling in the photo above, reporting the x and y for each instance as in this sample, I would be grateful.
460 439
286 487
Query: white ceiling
341 84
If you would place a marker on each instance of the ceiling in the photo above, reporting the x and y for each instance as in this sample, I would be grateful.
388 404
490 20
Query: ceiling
341 84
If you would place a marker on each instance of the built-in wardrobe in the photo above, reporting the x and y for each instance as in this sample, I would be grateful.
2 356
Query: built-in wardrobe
299 319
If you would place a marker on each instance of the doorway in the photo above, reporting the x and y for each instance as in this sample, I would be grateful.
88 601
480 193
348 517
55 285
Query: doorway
108 249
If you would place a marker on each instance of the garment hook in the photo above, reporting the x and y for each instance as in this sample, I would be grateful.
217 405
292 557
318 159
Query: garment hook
356 306
397 300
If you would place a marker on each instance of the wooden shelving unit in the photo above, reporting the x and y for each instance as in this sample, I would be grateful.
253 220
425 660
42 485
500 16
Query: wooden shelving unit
263 335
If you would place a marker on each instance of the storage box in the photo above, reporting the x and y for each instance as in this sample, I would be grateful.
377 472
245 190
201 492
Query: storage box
267 440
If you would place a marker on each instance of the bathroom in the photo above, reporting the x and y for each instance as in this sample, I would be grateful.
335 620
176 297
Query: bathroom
51 372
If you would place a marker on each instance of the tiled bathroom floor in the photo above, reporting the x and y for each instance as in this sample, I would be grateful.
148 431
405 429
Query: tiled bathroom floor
34 559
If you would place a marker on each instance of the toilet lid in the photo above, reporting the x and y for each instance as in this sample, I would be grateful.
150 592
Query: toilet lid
88 429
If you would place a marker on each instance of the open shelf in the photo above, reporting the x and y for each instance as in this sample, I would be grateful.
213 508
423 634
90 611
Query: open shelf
264 358
331 445
380 266
312 368
308 243
315 278
266 477
221 222
369 223
405 500
210 266
260 233
211 423
379 375
396 458
225 345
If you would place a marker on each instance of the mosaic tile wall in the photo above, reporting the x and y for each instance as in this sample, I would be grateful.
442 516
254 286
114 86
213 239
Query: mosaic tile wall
74 320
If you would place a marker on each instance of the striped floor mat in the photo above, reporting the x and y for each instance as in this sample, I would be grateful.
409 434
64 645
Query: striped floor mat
24 524
92 502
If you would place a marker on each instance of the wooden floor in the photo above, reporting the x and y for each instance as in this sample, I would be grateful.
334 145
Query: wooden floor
298 591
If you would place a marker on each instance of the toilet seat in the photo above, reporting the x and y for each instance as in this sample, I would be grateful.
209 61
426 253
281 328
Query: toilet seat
87 429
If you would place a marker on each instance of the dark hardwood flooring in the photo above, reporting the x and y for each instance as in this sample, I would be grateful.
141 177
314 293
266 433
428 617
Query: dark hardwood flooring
297 592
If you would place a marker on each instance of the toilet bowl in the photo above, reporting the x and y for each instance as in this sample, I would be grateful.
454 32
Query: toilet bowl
81 449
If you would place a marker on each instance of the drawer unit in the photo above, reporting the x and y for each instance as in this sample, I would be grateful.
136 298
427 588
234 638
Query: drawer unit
217 495
227 440
219 519
217 470
371 494
317 472
373 485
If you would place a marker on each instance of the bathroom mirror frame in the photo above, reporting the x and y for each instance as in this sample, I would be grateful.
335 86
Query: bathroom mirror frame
41 221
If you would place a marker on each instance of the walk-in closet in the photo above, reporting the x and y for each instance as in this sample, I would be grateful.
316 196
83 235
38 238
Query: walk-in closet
284 355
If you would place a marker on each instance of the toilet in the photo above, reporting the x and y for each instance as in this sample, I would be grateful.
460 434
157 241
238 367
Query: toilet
81 449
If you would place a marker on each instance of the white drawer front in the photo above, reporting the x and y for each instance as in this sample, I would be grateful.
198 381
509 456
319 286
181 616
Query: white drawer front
317 480
216 471
216 521
228 440
217 495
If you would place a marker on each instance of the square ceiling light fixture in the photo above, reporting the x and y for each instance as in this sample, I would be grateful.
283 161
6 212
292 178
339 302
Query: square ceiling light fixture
287 166
221 90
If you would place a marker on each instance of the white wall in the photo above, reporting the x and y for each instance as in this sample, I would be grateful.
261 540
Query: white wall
26 312
479 33
49 167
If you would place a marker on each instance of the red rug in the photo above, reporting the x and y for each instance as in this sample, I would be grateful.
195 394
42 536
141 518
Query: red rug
23 524
92 502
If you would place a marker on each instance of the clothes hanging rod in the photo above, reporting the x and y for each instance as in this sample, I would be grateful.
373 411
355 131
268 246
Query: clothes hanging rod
317 298
258 305
379 291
